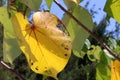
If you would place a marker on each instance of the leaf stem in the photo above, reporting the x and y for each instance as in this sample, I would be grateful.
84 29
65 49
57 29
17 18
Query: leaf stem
87 30
4 65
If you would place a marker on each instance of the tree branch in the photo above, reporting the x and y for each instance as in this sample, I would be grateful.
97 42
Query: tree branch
87 30
4 65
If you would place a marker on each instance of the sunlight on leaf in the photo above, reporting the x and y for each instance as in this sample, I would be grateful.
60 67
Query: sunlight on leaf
11 49
68 2
112 43
71 4
112 8
108 54
115 70
45 46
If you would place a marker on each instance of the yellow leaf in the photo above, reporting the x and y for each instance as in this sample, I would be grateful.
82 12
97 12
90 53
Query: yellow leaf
112 8
46 47
115 70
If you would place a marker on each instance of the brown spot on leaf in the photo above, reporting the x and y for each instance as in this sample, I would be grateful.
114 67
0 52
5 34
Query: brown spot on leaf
31 62
48 71
65 54
37 68
66 48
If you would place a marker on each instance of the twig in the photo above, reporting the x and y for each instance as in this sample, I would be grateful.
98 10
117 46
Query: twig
4 65
90 32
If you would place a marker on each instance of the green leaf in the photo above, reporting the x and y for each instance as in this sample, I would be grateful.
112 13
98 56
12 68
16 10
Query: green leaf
32 4
95 53
102 69
103 76
49 3
18 6
117 48
78 34
80 55
84 49
11 49
112 8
